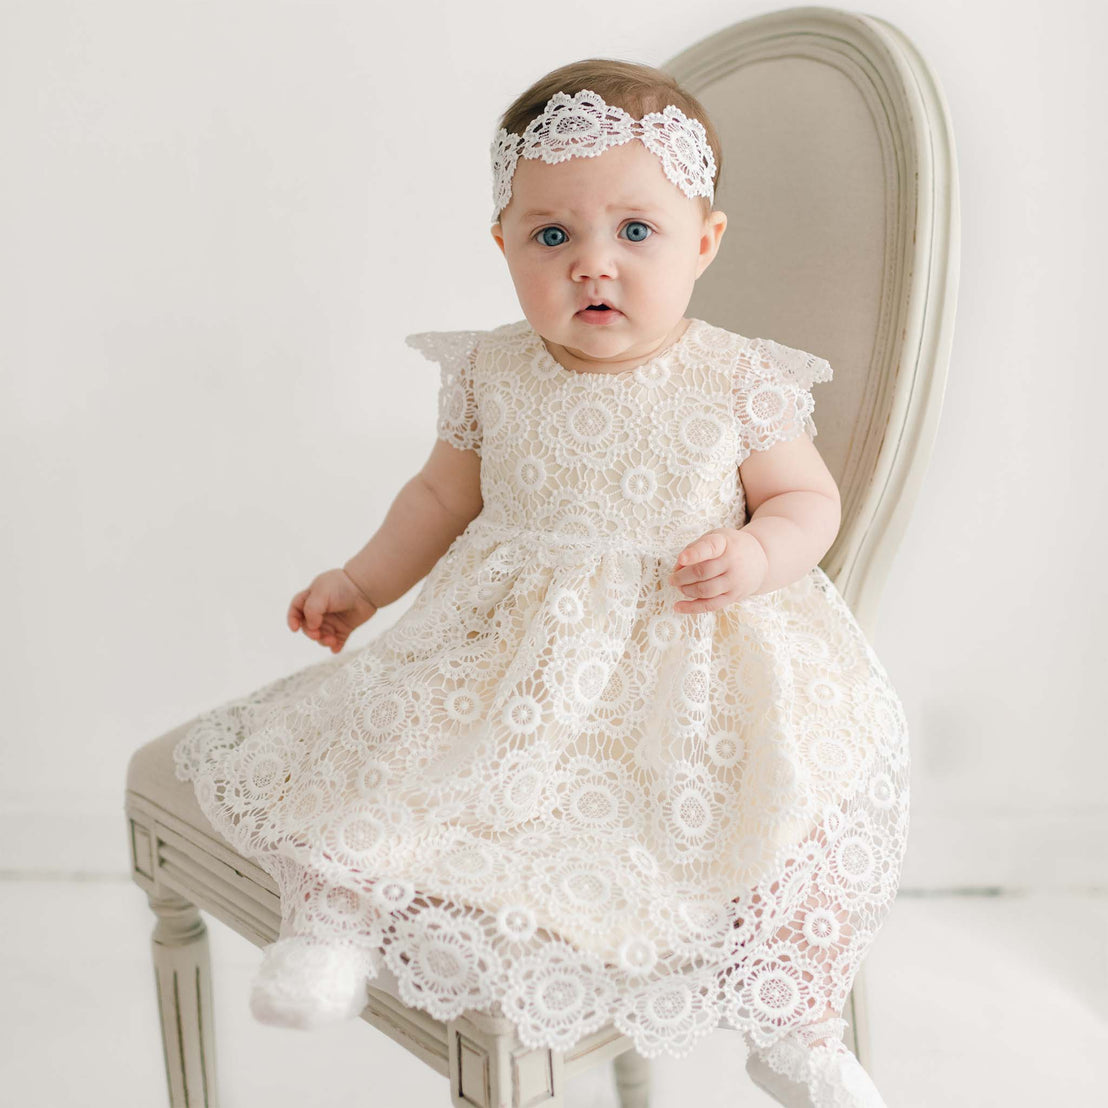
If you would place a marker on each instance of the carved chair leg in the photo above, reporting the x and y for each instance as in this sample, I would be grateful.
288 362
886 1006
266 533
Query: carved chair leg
856 1011
632 1079
182 973
490 1068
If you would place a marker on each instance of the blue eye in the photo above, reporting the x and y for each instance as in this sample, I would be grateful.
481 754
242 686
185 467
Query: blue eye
551 230
637 230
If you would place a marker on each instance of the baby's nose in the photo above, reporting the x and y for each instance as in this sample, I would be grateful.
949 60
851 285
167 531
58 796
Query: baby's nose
592 261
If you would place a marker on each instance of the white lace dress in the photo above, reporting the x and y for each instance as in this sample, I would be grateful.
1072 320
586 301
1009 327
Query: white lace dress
543 791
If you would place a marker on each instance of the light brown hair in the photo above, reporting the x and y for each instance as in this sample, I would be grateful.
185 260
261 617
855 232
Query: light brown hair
637 89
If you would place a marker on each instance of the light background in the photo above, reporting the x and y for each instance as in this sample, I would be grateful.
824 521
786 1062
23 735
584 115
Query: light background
218 221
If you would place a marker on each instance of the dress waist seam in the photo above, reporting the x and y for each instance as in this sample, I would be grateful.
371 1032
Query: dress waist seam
575 542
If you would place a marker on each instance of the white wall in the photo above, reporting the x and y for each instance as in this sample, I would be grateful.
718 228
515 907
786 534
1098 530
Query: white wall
219 221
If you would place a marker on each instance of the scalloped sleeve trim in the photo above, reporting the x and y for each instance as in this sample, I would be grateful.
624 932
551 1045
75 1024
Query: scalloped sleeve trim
772 395
459 418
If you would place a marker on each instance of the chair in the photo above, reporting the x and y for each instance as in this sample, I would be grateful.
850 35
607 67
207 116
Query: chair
839 180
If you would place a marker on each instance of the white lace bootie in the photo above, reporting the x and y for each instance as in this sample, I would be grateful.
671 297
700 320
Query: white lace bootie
799 1075
306 984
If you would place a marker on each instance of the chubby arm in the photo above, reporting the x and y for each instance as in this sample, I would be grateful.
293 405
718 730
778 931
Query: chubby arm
428 514
794 508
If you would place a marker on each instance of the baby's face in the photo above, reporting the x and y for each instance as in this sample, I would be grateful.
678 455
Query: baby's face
611 228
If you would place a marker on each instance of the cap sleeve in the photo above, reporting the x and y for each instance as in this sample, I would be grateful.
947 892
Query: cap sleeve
459 421
772 393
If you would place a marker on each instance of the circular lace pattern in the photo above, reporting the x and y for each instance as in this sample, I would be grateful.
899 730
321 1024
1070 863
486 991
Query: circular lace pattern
544 792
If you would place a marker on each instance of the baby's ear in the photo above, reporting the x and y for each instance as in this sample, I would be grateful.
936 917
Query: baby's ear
715 223
498 234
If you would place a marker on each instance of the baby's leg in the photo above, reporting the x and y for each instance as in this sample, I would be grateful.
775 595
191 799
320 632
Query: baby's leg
806 935
810 1066
316 972
819 932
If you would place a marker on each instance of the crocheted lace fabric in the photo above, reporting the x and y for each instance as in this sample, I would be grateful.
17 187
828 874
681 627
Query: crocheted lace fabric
543 792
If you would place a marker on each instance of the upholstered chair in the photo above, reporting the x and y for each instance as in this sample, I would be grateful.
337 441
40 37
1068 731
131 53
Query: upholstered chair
839 182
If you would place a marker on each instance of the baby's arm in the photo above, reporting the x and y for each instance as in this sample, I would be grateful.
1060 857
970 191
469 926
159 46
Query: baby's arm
793 506
793 503
427 515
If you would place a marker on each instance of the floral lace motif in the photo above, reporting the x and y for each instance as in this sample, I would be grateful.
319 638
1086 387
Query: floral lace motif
584 126
544 792
773 401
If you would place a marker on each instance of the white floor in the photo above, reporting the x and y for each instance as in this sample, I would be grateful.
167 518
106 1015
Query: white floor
979 1002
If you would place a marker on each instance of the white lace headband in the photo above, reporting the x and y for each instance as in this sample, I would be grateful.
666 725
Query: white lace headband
583 125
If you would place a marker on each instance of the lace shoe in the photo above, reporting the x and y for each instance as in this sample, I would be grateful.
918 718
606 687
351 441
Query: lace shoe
799 1075
306 984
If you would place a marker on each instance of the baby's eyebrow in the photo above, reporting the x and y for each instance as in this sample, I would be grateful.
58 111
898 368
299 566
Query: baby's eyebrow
535 213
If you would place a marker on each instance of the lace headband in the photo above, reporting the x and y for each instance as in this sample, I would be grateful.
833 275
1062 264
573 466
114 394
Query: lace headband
583 126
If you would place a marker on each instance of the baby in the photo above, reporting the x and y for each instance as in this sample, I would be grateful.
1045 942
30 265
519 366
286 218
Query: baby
603 252
640 730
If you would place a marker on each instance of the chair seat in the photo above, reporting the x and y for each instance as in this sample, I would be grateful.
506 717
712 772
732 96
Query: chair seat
154 792
175 847
151 776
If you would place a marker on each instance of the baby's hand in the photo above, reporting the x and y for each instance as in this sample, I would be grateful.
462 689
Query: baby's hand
329 609
718 569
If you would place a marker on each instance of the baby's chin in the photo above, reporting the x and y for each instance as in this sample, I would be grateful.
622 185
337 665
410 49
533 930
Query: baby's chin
604 353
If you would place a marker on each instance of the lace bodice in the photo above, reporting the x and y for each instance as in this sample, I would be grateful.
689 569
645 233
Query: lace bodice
647 458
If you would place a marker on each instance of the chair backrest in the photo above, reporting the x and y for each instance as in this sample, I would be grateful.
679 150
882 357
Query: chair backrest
840 186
